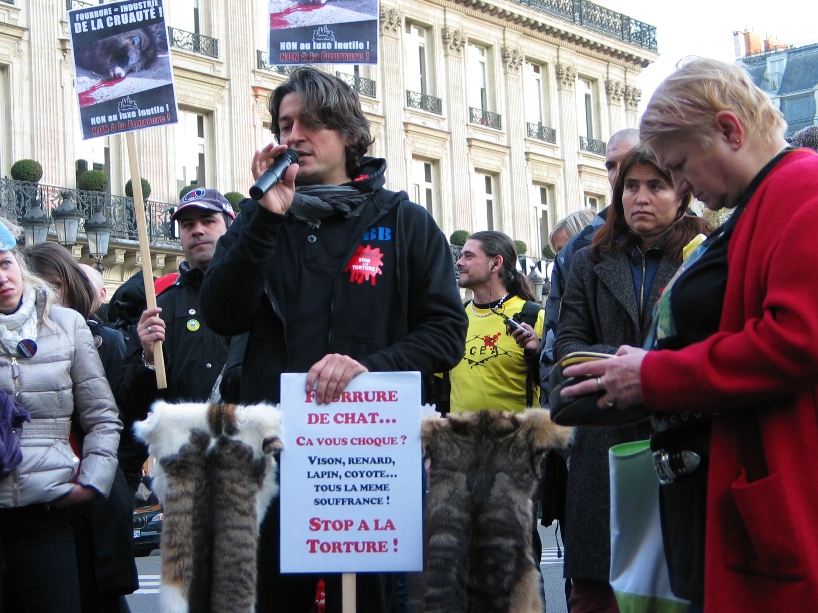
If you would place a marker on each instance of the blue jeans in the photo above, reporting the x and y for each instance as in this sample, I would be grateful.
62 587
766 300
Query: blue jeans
38 564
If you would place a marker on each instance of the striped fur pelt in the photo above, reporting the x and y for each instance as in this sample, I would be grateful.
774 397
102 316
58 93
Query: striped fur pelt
484 470
216 474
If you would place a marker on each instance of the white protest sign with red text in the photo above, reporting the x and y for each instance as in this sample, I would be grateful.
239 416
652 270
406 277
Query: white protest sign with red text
351 476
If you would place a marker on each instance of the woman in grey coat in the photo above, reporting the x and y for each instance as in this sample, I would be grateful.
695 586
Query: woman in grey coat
609 298
49 363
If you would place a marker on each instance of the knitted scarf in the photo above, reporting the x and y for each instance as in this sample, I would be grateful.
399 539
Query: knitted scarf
312 203
20 324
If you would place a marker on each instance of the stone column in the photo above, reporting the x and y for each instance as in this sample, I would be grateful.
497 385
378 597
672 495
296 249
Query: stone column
632 97
392 96
456 104
517 212
615 93
566 80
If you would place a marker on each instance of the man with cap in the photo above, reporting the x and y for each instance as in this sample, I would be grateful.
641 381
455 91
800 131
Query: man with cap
194 354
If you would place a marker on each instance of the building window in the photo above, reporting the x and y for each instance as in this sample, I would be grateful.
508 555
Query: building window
189 15
587 109
594 201
424 184
486 202
91 154
545 212
192 147
5 140
419 57
478 78
535 94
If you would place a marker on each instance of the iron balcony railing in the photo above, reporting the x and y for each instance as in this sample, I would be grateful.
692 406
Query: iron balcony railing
599 19
263 64
540 132
71 4
17 197
484 118
365 87
192 41
424 102
799 124
592 145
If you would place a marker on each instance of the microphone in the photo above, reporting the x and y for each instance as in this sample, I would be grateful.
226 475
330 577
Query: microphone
273 174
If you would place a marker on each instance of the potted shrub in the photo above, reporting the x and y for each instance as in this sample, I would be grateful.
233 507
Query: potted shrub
234 198
93 181
26 170
458 238
548 253
146 189
186 189
521 247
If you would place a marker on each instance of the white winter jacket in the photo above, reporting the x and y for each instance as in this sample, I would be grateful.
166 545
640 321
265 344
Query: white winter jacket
64 374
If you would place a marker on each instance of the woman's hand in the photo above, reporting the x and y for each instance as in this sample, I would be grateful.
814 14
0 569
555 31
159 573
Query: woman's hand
78 495
280 196
526 338
619 376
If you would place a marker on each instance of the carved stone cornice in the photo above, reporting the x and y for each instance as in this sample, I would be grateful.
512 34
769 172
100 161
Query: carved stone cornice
453 41
632 95
512 60
566 77
391 20
615 92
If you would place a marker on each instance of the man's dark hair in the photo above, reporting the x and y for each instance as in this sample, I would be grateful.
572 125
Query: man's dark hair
497 243
326 102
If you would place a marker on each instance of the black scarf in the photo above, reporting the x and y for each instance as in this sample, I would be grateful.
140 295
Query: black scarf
312 203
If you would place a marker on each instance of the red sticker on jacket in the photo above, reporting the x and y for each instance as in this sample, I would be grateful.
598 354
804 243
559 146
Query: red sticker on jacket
365 264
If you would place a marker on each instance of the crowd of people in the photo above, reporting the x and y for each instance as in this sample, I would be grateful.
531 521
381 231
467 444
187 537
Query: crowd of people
712 329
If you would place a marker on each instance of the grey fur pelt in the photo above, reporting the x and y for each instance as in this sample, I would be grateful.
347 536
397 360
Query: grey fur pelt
215 475
484 471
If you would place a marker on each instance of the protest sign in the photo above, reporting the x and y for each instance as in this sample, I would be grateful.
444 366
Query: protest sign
122 67
351 476
329 32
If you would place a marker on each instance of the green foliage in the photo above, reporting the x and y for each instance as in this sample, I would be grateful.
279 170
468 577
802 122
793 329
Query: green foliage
521 247
93 181
459 237
187 189
146 189
548 253
26 170
234 198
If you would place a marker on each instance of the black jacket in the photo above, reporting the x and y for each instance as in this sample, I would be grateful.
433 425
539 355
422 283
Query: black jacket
294 288
194 354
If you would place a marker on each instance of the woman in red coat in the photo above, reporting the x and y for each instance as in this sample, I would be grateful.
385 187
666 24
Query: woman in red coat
736 344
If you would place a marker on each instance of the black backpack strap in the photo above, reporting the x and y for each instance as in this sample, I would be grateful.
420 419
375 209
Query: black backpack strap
529 314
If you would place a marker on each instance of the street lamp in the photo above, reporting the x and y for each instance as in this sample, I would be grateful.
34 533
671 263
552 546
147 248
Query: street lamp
98 232
67 218
35 225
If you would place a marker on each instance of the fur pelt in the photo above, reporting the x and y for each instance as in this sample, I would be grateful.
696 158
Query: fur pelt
216 474
484 471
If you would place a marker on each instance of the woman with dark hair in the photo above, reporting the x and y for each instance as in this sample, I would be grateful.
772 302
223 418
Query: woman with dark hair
609 300
49 364
736 341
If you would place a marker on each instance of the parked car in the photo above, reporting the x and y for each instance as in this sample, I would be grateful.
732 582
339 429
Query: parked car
147 529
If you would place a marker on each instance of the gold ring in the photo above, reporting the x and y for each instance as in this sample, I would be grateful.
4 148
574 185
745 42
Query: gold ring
611 403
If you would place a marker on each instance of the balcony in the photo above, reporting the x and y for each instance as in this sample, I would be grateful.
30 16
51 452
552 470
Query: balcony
192 41
17 197
424 102
70 4
540 132
600 19
484 118
263 64
365 87
592 145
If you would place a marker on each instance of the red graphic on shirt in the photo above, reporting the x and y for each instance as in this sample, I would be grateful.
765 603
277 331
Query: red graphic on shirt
365 264
491 341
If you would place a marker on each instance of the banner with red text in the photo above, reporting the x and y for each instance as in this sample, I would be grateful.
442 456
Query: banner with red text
351 476
123 74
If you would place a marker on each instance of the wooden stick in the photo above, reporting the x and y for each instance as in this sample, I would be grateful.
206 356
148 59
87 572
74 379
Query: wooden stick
348 604
145 252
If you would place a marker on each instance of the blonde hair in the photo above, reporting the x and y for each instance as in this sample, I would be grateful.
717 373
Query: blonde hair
571 224
688 100
29 278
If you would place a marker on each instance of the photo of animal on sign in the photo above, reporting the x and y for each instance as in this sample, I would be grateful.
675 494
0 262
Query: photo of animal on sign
122 66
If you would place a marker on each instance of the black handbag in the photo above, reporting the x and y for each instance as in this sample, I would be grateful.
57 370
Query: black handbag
582 410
